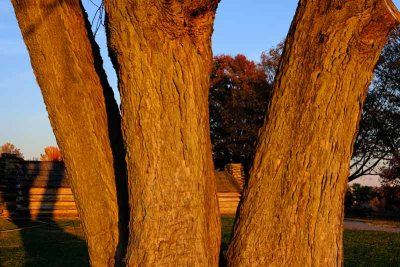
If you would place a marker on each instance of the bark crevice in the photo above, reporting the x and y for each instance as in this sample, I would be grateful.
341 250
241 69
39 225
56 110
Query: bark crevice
117 147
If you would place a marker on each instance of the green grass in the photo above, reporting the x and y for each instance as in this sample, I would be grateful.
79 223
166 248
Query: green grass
46 244
372 249
361 248
61 244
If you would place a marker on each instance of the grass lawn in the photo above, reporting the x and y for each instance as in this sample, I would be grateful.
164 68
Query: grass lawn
372 249
44 244
62 244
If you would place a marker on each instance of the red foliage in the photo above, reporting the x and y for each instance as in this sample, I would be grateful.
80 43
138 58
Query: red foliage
51 153
238 99
237 73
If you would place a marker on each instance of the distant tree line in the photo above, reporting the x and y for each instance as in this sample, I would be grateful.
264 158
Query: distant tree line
362 200
51 153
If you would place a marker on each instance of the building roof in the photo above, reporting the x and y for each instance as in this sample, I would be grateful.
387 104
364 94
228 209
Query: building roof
226 183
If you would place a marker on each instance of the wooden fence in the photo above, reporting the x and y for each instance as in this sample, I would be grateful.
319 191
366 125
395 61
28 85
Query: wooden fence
40 189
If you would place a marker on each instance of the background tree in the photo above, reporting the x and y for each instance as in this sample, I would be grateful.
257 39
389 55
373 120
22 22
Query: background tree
378 138
238 99
11 149
391 173
270 61
51 153
390 180
361 194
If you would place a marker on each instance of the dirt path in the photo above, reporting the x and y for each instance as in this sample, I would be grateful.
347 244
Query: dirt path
369 226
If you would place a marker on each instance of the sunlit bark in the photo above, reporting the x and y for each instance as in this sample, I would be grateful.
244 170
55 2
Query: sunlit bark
292 209
162 53
84 117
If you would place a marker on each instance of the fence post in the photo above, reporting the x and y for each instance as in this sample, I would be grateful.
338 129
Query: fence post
10 164
237 172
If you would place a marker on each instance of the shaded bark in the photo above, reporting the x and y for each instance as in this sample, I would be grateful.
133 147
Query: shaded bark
162 53
84 116
292 209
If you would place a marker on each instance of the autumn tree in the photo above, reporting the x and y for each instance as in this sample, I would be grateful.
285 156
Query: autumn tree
10 148
238 98
291 213
51 153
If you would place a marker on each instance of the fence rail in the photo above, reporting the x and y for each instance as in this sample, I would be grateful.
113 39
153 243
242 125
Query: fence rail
40 189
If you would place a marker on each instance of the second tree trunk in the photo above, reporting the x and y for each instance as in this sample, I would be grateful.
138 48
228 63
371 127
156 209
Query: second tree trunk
162 53
292 209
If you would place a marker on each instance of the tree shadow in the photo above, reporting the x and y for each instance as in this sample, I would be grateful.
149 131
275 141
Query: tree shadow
40 203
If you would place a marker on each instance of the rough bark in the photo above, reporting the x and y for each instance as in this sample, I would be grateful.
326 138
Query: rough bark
162 53
84 116
292 209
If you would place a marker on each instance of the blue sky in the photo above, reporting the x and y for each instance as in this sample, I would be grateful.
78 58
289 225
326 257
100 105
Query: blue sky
246 27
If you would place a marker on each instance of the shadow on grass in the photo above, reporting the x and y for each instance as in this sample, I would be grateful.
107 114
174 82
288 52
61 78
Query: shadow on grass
41 241
51 245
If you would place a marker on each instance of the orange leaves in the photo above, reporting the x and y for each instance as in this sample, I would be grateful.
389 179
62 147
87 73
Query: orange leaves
237 72
238 98
51 153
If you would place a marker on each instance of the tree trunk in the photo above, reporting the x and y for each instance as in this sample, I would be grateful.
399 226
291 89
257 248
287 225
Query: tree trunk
162 53
291 213
84 116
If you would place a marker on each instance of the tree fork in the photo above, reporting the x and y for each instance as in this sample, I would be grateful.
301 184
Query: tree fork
162 53
291 213
84 116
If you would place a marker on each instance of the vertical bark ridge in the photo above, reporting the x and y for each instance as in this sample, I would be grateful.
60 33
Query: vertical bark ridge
291 213
84 116
162 53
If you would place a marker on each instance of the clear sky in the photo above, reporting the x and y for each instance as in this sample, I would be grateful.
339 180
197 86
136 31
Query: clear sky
247 27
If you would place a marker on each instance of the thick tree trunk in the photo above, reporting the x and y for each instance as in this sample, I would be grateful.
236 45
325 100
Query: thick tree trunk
162 53
84 116
292 209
